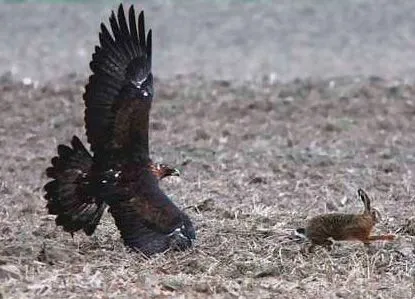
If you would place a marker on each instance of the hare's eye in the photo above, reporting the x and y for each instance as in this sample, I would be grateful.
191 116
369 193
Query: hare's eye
376 215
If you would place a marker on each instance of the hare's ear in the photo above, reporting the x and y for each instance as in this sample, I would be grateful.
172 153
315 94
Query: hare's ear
365 198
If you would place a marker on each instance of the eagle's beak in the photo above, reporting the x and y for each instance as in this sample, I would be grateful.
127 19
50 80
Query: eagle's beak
175 172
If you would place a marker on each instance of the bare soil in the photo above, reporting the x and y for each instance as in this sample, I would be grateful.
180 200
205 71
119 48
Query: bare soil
257 160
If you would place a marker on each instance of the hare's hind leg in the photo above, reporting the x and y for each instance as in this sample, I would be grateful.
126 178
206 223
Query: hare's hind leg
328 244
369 239
312 248
381 238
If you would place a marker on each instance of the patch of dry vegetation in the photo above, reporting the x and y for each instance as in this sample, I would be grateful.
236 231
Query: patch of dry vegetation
257 160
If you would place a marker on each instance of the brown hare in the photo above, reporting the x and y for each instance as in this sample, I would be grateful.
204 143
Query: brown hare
345 227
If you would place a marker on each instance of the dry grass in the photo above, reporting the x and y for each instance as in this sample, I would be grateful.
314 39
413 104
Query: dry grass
257 160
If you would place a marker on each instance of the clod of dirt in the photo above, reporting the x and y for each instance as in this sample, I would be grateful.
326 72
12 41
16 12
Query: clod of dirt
206 205
9 271
258 180
271 271
54 255
172 284
158 126
409 227
201 135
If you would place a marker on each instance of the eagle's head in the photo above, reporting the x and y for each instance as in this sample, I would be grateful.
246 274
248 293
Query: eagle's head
161 170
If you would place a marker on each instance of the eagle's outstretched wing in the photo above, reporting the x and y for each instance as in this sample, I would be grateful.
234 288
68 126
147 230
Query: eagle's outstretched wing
142 211
119 93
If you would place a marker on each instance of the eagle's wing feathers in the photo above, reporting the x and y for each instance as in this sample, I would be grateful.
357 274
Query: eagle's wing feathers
145 209
119 93
142 200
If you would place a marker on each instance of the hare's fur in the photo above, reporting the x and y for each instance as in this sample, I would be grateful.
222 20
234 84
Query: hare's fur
345 227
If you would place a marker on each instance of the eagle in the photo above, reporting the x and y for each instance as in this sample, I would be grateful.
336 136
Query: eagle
118 173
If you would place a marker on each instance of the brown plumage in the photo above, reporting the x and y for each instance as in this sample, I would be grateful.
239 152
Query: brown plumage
120 173
344 227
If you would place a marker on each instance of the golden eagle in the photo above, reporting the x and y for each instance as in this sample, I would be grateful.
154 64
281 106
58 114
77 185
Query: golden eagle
120 173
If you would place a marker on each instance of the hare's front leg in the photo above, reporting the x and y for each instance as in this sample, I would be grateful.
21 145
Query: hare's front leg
326 243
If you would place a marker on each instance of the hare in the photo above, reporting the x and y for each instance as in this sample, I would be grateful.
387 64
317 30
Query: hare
346 227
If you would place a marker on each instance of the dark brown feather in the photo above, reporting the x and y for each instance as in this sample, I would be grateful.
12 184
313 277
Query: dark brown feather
67 194
141 208
119 93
